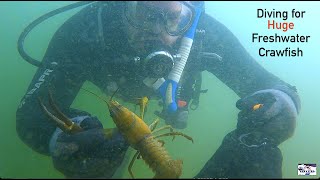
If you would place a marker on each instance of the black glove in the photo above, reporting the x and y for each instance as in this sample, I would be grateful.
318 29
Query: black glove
90 153
178 119
270 113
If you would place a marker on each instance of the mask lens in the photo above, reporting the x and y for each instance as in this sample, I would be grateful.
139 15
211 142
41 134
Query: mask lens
147 16
140 16
177 22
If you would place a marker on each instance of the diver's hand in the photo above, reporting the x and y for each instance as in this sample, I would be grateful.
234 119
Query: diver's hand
178 119
271 112
91 153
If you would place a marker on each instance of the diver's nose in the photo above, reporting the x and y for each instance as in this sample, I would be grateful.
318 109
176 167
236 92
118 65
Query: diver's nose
156 28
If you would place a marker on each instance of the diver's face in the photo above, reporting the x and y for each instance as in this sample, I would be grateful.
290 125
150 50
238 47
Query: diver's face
139 38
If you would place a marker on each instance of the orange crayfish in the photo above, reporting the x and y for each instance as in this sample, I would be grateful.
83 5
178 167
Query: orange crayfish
140 136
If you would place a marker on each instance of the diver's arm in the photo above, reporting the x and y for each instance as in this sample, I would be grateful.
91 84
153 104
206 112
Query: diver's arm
237 68
65 68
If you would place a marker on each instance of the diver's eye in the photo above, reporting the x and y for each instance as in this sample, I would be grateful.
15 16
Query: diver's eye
173 16
152 17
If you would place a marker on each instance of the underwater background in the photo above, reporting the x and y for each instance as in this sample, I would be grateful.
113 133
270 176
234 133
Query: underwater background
216 115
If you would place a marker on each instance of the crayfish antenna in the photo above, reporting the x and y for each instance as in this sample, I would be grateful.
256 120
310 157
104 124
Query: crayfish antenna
114 93
95 95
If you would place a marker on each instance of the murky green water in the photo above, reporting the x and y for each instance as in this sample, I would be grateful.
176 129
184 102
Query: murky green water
216 115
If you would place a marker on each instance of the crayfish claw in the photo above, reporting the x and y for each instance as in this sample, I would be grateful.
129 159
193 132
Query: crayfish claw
61 120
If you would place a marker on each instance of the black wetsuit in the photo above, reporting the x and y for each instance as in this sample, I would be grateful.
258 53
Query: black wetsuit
84 50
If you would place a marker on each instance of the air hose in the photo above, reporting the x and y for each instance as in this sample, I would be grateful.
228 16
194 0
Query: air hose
36 22
168 88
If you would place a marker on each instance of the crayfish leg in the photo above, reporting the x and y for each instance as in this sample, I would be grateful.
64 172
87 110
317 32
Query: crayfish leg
173 134
163 128
154 124
131 163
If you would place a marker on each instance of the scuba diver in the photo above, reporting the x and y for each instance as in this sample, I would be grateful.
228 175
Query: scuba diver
154 49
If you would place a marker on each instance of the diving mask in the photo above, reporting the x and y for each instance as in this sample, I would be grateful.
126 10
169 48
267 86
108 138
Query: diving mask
175 17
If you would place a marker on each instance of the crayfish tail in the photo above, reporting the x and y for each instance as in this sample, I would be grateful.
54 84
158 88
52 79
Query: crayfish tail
173 170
